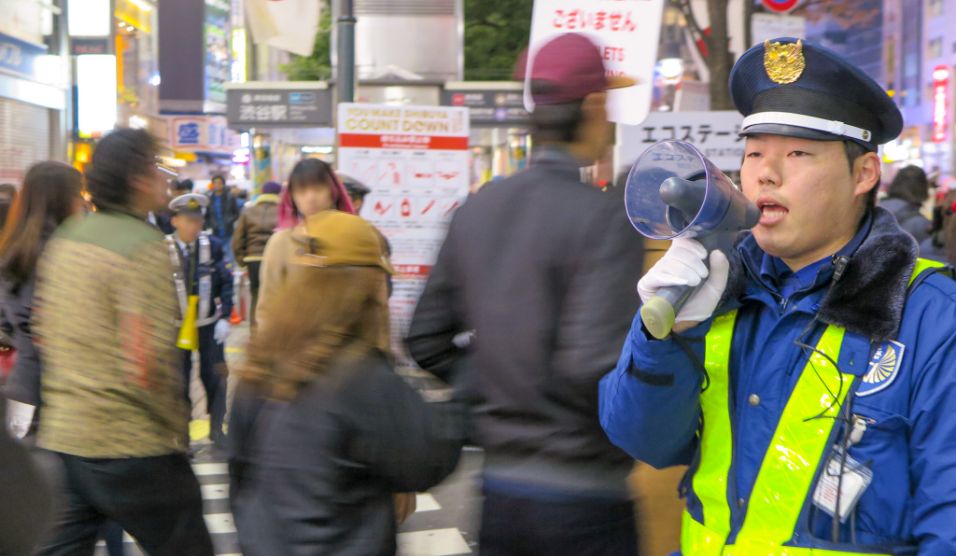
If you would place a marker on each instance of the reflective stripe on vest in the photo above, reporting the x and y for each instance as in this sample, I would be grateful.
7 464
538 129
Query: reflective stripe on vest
796 450
204 284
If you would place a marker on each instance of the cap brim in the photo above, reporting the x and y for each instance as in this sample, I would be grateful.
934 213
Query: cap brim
620 82
799 132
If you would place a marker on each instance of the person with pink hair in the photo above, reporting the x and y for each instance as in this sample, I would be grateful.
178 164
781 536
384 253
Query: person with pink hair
313 187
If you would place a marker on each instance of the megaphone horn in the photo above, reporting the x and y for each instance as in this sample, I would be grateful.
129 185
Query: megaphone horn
675 191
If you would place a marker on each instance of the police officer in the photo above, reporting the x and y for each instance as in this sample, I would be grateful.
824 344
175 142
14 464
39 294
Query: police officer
199 269
810 382
357 191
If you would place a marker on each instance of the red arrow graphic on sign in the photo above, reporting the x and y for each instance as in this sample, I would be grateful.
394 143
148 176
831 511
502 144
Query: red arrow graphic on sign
382 209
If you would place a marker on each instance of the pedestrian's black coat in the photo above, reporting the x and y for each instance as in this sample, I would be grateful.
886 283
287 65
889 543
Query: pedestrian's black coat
23 384
542 267
316 476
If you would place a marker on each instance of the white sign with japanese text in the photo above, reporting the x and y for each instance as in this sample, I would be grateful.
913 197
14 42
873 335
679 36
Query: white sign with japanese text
767 27
415 160
715 133
202 133
625 31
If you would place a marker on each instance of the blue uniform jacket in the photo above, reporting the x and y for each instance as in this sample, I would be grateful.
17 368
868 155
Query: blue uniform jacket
649 405
222 287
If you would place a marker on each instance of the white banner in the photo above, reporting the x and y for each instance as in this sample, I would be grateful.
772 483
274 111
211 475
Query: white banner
715 133
625 31
772 26
290 25
415 160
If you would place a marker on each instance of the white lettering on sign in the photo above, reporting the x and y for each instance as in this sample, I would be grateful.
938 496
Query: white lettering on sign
716 134
409 120
10 55
626 33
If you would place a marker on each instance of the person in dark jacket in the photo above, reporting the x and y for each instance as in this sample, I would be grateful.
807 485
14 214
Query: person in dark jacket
50 195
26 511
163 219
323 433
357 191
256 225
941 244
546 292
222 214
8 192
904 199
202 279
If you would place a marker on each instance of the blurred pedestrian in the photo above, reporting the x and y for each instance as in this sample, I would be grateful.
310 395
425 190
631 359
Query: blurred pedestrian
323 432
255 226
27 506
941 244
313 188
113 410
50 195
202 279
357 191
162 218
539 268
905 197
222 214
242 196
8 194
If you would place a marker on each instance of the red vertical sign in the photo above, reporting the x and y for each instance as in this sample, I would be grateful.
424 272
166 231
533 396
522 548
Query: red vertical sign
940 104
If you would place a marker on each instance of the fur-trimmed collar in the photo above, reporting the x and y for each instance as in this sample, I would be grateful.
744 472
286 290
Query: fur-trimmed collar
869 298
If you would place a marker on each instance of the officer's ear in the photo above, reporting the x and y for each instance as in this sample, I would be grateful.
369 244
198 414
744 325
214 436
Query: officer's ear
866 173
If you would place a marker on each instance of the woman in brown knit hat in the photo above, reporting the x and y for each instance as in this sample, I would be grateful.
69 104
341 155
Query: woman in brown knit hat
324 433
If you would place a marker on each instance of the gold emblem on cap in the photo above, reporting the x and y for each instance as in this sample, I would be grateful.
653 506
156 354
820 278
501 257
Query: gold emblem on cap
193 204
784 62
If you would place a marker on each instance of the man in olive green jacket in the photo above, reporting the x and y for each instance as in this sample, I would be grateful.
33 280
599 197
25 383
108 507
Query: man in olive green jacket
114 415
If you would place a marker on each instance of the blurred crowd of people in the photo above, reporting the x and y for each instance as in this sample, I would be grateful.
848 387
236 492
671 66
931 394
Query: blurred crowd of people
114 281
111 281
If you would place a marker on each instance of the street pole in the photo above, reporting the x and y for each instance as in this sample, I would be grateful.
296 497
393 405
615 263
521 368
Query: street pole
345 72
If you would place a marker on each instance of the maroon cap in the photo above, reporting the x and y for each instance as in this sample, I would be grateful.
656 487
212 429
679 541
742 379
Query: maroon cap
572 64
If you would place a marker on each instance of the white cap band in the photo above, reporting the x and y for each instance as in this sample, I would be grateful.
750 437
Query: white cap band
810 122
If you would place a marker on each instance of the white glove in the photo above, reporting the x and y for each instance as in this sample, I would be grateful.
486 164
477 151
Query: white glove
683 265
19 418
222 331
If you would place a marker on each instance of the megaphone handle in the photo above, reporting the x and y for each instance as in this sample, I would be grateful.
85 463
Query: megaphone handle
659 312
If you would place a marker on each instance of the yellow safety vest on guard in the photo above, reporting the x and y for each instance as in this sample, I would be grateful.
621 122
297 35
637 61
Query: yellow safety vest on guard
790 464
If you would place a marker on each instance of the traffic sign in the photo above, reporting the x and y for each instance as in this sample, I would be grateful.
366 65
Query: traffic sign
780 6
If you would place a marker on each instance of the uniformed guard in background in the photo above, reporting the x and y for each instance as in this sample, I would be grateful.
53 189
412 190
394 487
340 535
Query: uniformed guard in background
810 381
204 289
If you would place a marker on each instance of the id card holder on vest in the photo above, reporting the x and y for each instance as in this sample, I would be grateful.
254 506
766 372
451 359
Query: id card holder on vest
856 479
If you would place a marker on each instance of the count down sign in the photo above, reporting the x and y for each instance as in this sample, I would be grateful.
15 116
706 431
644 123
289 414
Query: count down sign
781 6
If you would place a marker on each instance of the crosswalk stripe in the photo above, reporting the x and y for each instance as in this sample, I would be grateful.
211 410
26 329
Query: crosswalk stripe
210 469
215 491
220 523
426 503
434 542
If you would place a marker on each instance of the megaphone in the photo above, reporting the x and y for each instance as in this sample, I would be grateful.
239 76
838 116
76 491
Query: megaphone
188 338
675 191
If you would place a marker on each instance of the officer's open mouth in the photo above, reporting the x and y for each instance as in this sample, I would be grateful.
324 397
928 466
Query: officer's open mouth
771 212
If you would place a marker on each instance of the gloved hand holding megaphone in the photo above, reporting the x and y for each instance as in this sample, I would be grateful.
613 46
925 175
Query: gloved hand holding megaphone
673 192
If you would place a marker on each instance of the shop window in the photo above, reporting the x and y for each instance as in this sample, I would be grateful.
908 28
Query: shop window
935 48
935 8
